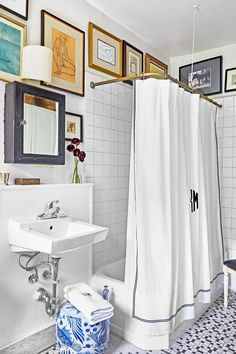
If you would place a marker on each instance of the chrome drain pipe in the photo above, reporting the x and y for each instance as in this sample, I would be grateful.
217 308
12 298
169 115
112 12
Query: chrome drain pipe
51 300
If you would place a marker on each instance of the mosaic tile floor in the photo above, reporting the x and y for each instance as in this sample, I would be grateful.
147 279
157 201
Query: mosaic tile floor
214 332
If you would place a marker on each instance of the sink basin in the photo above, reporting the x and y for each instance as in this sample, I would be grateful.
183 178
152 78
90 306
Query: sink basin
53 236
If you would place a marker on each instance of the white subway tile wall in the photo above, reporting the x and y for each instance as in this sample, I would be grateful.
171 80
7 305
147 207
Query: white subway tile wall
226 134
108 120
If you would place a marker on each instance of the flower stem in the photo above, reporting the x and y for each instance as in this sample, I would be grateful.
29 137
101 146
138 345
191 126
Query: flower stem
75 176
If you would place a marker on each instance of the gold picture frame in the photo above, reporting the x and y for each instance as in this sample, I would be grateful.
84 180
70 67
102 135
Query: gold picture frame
11 49
105 51
155 66
68 46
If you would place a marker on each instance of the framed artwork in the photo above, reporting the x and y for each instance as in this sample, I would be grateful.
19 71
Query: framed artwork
67 43
12 41
230 80
105 51
74 126
16 7
132 60
206 75
153 65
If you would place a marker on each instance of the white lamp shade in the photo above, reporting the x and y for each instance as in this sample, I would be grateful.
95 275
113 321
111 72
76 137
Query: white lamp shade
37 63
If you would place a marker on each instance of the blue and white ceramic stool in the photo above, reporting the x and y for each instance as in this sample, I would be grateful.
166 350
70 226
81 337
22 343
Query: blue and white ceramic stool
76 336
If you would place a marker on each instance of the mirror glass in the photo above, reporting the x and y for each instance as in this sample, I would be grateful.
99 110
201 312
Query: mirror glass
40 125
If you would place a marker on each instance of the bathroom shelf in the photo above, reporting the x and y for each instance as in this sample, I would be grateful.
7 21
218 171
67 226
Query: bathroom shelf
11 187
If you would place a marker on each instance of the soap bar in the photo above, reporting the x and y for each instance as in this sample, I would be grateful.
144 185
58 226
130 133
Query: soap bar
27 181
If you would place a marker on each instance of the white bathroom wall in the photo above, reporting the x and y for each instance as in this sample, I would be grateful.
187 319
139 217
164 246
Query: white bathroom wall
226 133
21 315
78 13
229 61
107 124
107 135
108 140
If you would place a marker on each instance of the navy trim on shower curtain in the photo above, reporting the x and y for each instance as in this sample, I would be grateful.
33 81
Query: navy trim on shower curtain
179 309
136 235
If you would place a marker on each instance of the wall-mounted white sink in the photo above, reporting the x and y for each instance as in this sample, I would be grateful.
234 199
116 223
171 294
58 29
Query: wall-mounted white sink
53 236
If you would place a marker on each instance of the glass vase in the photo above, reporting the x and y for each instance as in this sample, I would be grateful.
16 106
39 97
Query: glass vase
75 176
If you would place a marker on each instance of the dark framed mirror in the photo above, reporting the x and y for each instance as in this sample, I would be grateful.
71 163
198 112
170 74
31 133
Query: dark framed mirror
34 125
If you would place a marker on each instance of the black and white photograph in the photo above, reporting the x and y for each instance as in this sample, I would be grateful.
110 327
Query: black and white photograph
204 75
200 79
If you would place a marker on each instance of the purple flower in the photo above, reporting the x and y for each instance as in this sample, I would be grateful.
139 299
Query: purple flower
82 156
70 148
75 141
77 152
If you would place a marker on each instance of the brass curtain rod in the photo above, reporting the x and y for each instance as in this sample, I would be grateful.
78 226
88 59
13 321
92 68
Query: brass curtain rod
93 85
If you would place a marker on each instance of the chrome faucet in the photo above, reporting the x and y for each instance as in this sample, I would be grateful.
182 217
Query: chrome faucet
51 211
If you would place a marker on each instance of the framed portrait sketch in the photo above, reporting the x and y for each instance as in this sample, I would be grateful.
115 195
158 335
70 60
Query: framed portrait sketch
132 60
74 126
206 75
230 80
155 66
105 51
67 44
12 41
16 7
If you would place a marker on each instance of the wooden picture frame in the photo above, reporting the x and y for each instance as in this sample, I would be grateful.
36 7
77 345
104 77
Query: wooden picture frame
68 45
230 80
132 61
73 126
18 8
206 76
105 51
153 65
132 68
11 50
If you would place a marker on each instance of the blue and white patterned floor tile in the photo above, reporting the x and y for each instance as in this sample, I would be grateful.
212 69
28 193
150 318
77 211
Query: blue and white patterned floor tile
214 332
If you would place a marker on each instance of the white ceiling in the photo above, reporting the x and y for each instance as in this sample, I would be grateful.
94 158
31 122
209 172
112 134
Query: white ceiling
167 24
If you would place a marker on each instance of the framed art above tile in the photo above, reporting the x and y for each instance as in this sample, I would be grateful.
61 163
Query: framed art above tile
16 7
206 75
132 60
73 126
230 80
153 65
105 51
67 43
12 41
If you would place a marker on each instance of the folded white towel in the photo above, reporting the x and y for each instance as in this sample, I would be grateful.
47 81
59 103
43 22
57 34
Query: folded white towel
89 302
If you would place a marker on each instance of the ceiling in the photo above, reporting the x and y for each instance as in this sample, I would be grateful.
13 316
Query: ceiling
167 24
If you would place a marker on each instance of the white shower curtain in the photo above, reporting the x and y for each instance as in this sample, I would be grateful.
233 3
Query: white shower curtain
178 240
